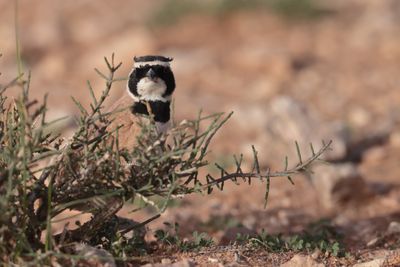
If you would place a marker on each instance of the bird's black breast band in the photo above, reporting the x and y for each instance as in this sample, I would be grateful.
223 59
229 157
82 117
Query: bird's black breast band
160 110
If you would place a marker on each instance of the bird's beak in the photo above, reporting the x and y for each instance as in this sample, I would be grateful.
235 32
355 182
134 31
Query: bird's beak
151 74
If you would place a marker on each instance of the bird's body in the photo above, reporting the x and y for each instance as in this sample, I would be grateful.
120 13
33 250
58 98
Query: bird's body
128 122
150 86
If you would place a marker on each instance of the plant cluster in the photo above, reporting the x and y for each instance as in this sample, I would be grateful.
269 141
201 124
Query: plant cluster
171 237
43 174
318 236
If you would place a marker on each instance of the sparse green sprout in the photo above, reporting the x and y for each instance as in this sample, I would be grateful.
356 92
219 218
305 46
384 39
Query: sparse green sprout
198 240
320 236
242 238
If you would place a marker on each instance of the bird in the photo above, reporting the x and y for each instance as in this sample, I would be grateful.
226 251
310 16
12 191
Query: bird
150 85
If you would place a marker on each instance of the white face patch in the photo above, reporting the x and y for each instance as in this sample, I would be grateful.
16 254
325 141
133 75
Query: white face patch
149 89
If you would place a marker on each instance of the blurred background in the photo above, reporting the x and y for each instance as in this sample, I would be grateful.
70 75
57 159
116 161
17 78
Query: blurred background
290 70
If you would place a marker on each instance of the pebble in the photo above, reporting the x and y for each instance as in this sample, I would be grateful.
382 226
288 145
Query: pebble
394 227
183 263
316 254
335 184
301 261
373 263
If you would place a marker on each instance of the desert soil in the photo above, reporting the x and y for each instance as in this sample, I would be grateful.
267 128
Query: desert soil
343 67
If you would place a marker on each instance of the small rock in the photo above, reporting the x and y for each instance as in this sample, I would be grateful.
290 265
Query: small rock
289 120
394 227
359 117
95 256
183 263
316 254
336 183
302 261
374 263
212 260
372 242
283 121
166 261
250 222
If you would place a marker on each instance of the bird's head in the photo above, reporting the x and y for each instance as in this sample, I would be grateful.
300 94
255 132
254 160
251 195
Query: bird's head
151 79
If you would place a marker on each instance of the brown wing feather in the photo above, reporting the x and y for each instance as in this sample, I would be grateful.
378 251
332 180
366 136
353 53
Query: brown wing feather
128 122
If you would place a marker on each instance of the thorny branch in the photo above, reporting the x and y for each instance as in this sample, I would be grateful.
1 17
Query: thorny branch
300 168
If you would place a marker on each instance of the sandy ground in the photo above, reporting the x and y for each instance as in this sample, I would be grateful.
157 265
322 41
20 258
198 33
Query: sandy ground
342 66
